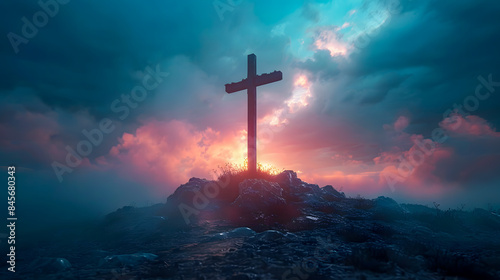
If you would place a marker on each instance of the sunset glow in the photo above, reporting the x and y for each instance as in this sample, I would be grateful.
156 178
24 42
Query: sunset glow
367 87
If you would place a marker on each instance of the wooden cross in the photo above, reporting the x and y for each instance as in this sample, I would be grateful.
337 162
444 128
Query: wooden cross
250 84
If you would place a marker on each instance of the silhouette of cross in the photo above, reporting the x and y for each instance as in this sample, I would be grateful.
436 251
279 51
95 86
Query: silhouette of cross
250 84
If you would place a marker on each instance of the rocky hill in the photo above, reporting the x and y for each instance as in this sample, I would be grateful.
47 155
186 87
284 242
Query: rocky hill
275 228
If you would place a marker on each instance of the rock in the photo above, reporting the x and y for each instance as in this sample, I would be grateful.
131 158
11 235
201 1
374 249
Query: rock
305 194
235 233
186 192
331 194
274 236
127 259
241 232
305 188
287 178
387 209
270 235
189 198
304 223
259 195
260 204
51 265
388 202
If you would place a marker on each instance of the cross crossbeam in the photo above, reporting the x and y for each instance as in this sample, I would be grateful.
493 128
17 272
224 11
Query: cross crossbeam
261 80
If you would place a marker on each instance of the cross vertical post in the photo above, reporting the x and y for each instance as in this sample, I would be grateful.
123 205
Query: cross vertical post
252 115
250 84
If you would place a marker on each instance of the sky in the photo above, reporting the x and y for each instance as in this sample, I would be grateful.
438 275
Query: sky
112 103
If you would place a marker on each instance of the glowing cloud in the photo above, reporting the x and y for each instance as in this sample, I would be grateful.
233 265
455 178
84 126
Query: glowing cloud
174 151
300 95
329 39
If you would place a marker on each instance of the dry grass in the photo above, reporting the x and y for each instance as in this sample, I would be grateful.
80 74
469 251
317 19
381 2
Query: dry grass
239 172
231 175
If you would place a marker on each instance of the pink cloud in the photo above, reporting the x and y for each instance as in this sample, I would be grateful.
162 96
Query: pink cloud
401 123
168 153
391 156
468 125
171 152
412 170
328 38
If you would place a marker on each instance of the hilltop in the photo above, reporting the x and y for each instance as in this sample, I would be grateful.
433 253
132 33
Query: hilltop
278 227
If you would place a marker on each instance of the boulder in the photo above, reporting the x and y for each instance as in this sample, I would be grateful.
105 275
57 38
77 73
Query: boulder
259 196
186 192
331 194
387 209
189 198
287 178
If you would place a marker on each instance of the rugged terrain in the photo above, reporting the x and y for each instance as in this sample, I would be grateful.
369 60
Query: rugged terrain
279 228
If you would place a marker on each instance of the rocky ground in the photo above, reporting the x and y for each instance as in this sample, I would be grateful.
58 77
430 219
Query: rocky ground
279 228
